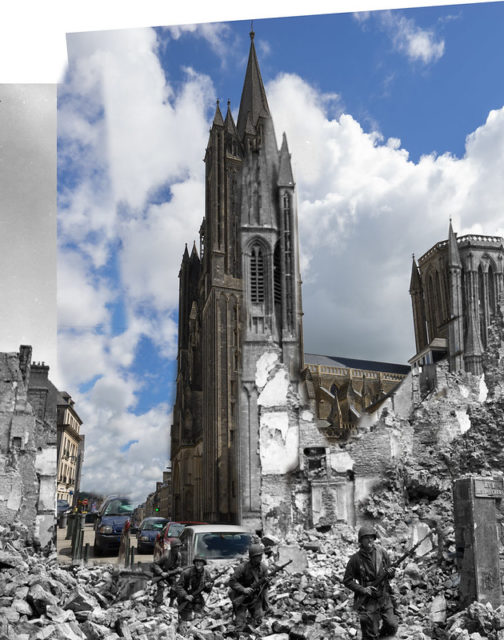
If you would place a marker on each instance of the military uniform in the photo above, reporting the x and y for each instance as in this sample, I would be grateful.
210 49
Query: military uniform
167 568
245 577
362 570
190 587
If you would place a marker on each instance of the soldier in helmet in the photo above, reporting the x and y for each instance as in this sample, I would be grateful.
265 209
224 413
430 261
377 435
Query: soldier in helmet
373 603
192 583
166 570
244 584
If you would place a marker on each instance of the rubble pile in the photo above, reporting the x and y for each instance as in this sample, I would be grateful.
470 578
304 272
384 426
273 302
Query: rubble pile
313 604
41 599
476 622
479 450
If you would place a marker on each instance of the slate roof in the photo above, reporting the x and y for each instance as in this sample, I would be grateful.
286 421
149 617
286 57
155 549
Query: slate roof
352 363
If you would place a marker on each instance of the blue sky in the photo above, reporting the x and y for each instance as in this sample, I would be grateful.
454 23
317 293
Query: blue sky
395 122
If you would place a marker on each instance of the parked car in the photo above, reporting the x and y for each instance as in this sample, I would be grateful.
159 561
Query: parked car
147 532
62 506
170 531
218 543
112 517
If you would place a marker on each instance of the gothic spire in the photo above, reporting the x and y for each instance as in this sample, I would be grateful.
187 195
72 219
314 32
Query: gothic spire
218 120
453 252
229 122
285 177
415 281
253 102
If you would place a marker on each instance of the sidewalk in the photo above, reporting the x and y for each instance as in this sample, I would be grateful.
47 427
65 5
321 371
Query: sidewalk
65 549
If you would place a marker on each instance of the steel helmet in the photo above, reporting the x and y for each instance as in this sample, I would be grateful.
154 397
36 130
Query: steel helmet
366 530
199 559
255 550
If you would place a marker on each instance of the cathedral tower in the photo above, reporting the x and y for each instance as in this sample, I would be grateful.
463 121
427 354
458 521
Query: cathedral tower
456 292
244 310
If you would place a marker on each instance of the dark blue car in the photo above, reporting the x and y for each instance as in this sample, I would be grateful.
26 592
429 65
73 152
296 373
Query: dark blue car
147 533
112 517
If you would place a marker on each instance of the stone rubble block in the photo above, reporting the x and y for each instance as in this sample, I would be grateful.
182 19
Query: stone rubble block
57 614
80 601
40 598
94 631
22 607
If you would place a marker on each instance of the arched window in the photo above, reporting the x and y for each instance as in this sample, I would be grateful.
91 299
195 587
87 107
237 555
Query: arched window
481 304
257 275
491 290
431 309
277 275
440 300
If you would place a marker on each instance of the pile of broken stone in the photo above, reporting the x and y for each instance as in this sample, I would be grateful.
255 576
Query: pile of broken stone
41 599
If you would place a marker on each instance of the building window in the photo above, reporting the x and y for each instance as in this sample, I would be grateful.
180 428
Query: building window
491 291
277 271
257 275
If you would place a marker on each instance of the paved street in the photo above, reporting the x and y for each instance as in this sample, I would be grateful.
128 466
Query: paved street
65 549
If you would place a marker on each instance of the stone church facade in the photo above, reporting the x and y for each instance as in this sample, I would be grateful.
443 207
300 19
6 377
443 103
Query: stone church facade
455 290
252 420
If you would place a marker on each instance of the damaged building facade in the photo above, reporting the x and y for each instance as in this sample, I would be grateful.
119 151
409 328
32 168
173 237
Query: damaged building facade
27 445
257 424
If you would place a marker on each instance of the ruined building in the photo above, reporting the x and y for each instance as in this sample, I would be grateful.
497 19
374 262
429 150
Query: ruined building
345 389
27 445
255 425
455 290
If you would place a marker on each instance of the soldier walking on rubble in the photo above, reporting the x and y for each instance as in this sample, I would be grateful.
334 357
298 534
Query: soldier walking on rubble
367 575
166 570
192 583
248 588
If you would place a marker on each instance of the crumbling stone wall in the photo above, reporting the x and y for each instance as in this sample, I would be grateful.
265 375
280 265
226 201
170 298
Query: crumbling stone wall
403 453
27 452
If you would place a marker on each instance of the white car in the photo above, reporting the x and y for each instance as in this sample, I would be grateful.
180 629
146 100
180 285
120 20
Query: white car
217 543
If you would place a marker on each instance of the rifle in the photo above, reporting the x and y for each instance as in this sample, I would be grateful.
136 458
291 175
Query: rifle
259 587
383 576
201 588
169 574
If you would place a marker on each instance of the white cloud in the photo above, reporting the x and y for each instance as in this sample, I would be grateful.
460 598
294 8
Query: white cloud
364 208
80 358
132 472
362 16
153 245
215 33
417 43
115 247
113 394
81 303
